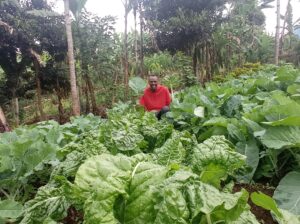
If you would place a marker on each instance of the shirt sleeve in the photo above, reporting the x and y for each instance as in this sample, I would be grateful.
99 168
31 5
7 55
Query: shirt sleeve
168 97
142 101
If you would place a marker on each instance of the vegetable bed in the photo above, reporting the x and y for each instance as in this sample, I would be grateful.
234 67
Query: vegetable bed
190 167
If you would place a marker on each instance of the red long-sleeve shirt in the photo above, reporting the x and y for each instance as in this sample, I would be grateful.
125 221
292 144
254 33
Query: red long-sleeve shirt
157 99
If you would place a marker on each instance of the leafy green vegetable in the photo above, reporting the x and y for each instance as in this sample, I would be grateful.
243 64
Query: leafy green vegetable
282 216
214 159
48 203
137 84
208 205
281 137
287 194
10 209
155 132
266 202
232 106
104 179
251 150
172 151
120 189
289 121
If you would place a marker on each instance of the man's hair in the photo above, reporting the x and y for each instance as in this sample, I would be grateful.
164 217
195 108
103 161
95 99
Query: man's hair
152 75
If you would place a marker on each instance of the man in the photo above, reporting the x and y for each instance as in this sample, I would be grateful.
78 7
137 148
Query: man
156 97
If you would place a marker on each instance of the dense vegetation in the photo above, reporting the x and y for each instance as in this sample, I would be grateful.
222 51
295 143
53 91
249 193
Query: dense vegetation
132 168
181 43
234 120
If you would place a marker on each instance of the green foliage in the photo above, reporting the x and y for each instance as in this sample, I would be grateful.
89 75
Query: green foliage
142 191
77 6
28 154
131 167
266 105
137 84
175 71
182 24
241 38
10 210
49 202
33 27
214 159
282 216
289 188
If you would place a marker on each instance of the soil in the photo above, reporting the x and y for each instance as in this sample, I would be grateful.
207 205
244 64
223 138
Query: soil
74 216
262 215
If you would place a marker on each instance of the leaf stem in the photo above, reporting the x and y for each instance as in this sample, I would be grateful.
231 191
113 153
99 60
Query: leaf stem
5 193
208 218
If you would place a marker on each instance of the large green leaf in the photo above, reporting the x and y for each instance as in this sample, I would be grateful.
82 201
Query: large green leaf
279 112
10 209
232 106
289 121
281 137
173 206
246 218
120 189
214 155
171 152
281 215
254 127
251 151
287 194
216 205
50 202
137 84
105 180
217 121
140 206
266 202
236 133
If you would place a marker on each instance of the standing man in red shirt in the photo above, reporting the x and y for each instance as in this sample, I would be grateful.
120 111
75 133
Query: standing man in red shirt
156 97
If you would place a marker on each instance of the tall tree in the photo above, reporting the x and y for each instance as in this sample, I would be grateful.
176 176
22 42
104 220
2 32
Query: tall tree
134 6
71 59
277 38
93 37
141 39
125 51
3 123
184 25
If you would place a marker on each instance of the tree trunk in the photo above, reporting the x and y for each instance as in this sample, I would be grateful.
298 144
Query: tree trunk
4 127
38 90
115 91
195 61
86 93
281 38
277 32
141 41
17 111
126 52
208 68
15 107
60 108
92 94
136 51
74 93
229 51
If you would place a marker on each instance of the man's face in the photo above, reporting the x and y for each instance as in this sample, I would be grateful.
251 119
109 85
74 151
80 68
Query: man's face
153 81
